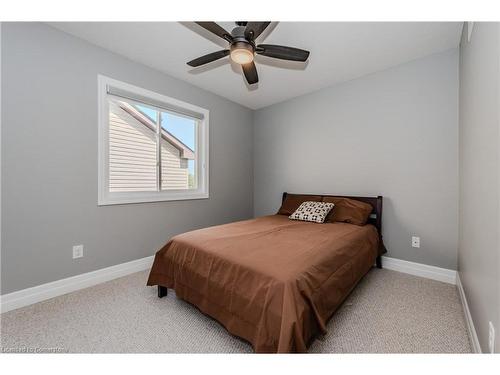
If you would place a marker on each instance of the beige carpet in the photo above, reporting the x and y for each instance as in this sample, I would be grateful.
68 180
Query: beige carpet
389 312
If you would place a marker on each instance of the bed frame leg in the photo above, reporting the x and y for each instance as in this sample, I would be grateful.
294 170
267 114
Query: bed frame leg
379 261
162 291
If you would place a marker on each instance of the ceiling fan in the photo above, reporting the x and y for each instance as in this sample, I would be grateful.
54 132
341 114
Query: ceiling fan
242 48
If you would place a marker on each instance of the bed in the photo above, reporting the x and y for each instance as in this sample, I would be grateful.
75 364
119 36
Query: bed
272 281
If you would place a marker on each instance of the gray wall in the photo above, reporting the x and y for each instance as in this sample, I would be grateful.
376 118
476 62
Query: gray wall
478 254
49 161
393 133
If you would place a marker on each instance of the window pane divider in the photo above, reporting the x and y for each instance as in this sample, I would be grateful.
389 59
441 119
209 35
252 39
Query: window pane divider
158 150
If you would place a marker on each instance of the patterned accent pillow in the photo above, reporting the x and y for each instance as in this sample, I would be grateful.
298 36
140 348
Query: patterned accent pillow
312 211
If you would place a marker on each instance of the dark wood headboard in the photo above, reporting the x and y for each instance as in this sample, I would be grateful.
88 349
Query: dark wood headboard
375 217
375 202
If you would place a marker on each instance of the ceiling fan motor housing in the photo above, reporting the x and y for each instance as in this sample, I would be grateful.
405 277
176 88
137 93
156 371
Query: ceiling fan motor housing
238 35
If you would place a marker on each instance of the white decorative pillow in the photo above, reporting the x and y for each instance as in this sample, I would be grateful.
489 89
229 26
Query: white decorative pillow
312 211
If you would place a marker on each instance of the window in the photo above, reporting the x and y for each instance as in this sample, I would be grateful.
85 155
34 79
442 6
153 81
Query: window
151 147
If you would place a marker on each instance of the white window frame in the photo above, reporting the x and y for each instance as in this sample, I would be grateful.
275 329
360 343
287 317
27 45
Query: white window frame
105 197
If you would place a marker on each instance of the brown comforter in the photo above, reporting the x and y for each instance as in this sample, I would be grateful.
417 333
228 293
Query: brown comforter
272 281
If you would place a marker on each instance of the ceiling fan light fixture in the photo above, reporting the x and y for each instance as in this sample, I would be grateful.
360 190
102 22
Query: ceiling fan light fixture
242 53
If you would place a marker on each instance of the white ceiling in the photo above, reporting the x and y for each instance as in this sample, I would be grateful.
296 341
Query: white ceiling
339 52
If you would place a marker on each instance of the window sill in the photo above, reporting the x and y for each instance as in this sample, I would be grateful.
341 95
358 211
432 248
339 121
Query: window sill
119 198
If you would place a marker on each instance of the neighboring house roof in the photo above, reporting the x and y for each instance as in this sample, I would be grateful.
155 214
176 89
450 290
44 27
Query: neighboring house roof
185 151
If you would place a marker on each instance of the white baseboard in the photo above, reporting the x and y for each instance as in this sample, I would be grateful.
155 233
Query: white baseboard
422 270
42 292
476 347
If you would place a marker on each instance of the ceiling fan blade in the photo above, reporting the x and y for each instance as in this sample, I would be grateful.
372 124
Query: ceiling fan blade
250 72
208 58
217 30
254 29
282 52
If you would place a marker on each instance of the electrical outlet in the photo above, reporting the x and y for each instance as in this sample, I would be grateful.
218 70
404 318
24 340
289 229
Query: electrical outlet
415 241
491 337
77 251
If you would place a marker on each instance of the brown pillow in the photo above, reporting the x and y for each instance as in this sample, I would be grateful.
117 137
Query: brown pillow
348 211
293 201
